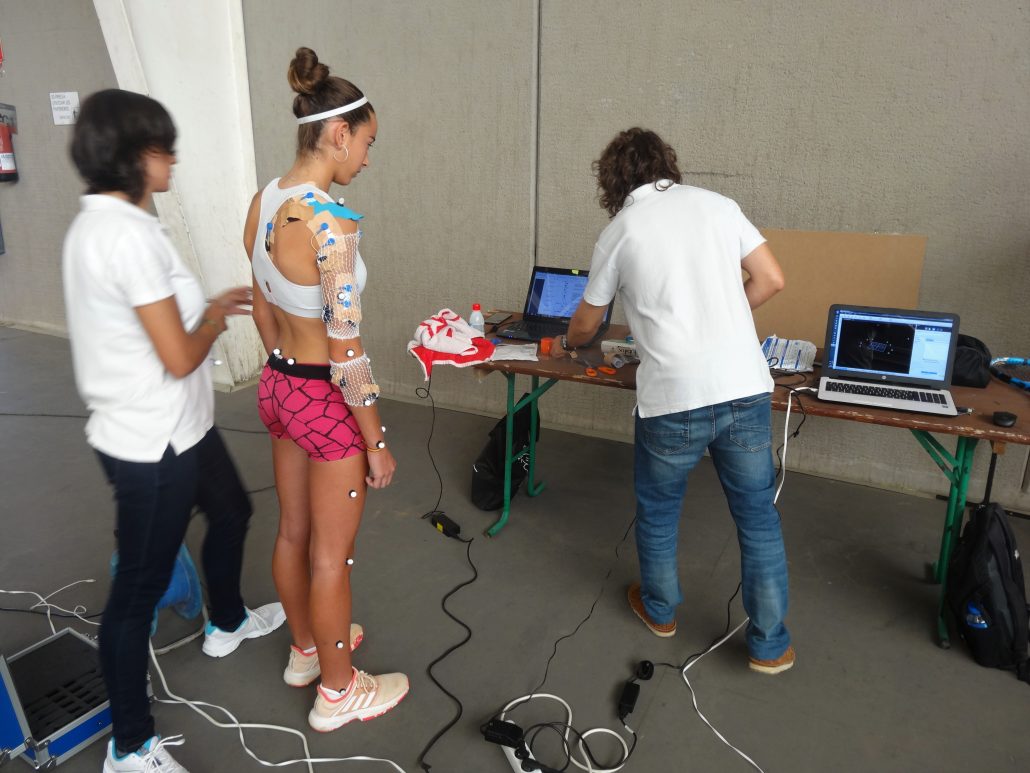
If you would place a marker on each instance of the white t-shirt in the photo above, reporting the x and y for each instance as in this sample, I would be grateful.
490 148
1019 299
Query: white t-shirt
674 258
116 257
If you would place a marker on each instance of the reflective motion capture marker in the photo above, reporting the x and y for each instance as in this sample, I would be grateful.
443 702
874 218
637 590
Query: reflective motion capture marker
350 562
339 645
353 494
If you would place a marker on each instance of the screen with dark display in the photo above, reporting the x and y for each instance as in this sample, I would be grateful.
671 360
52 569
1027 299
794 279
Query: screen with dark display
883 344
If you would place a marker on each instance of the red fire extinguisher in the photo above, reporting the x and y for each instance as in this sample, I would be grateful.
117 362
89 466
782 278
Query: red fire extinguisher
8 167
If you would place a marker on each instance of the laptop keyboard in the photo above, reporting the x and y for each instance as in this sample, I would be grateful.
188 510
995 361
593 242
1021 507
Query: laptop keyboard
537 329
911 395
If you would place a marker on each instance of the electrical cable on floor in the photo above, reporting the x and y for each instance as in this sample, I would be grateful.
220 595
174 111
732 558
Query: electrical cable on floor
307 759
51 614
425 393
194 705
591 765
600 593
448 528
44 601
429 669
781 472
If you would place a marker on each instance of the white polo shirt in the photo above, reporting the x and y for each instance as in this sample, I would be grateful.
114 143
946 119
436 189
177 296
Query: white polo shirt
116 257
674 257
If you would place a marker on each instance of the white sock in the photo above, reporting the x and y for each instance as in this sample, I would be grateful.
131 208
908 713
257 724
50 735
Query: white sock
335 695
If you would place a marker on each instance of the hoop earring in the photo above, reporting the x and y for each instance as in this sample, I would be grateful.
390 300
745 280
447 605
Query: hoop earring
344 159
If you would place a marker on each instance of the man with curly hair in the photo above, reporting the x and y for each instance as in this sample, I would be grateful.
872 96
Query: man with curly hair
673 253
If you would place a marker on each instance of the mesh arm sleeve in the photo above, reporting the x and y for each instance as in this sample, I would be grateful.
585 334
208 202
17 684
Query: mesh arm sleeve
341 312
354 378
341 305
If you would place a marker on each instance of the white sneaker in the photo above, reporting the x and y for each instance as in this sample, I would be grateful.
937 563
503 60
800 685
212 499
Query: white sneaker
367 697
260 621
151 757
303 669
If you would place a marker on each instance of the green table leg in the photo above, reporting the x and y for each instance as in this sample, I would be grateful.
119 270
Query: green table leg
956 469
532 487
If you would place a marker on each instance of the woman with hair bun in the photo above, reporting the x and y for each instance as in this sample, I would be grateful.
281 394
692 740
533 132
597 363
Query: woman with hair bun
317 393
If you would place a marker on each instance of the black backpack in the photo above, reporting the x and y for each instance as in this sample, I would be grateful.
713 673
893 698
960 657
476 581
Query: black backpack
986 592
487 490
972 363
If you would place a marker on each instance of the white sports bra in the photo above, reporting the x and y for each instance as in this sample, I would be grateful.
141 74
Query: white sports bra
299 300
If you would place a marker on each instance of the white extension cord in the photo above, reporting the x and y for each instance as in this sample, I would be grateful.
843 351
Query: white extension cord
693 695
79 610
516 763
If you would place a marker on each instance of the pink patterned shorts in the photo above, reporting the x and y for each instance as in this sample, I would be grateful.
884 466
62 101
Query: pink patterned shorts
299 402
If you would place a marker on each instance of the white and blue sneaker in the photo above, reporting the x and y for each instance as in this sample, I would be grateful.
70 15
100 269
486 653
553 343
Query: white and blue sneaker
260 621
151 757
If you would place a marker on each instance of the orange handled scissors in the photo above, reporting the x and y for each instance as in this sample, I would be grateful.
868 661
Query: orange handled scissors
593 369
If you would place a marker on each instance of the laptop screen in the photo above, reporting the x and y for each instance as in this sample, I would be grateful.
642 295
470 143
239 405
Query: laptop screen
554 293
909 347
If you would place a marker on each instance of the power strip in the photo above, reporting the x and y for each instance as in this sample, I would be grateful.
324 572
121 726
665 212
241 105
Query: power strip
516 764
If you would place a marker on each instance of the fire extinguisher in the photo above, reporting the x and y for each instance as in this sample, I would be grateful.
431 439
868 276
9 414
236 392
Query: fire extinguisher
8 167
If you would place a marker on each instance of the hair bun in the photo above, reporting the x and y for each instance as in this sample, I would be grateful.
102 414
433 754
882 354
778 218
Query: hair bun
306 74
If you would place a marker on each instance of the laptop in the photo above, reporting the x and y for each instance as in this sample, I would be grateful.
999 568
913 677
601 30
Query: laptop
890 358
554 294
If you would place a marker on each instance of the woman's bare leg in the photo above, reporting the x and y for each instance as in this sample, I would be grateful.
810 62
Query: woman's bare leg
335 517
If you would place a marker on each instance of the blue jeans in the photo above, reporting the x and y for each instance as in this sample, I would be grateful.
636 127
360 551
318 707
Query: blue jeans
738 435
155 501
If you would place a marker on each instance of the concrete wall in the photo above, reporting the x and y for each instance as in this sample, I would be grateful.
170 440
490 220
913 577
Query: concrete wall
864 116
49 45
851 116
843 116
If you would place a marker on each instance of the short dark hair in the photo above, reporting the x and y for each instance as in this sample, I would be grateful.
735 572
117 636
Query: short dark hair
634 158
113 131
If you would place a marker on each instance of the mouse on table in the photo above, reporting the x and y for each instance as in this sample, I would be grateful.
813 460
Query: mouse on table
1004 418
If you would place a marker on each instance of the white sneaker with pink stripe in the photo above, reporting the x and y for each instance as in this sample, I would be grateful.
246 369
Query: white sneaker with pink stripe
367 697
303 667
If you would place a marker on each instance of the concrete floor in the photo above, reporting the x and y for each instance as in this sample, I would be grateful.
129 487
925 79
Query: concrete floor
871 690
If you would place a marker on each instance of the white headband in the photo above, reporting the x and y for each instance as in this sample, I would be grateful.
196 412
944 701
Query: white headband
334 111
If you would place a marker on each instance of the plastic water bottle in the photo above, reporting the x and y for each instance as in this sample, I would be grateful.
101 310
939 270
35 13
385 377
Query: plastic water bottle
476 319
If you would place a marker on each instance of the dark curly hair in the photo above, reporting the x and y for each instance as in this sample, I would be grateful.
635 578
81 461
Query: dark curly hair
318 91
113 131
634 158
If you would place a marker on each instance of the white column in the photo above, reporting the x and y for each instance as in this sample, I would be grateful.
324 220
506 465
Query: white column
191 56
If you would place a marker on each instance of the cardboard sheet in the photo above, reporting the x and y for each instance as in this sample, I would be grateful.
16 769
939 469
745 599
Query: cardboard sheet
826 267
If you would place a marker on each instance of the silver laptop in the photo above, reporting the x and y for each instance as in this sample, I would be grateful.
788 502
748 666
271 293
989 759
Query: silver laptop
552 298
890 358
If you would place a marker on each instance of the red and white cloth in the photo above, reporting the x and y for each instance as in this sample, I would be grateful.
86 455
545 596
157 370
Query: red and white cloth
447 339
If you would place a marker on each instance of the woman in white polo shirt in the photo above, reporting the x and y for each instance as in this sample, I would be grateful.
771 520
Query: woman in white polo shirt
141 332
673 253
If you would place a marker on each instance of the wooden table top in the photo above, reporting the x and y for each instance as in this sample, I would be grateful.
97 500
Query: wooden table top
996 396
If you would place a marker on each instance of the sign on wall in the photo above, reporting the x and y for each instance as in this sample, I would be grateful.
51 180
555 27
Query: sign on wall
65 107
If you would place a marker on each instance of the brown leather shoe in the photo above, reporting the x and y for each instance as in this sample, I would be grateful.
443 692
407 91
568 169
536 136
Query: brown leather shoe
782 663
637 605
